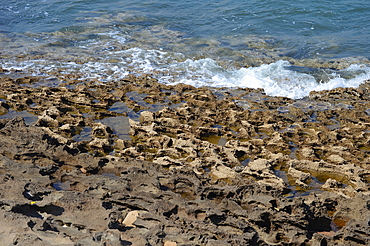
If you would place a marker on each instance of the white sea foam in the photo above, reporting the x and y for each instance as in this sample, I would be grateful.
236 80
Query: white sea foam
277 79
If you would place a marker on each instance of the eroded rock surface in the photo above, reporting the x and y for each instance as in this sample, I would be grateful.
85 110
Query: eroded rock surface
141 163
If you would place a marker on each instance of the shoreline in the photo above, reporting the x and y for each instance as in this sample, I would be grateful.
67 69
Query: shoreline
182 164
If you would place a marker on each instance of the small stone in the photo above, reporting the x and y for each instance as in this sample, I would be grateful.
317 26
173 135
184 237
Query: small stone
130 218
169 243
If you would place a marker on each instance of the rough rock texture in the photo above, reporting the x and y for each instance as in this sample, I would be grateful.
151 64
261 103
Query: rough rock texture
141 163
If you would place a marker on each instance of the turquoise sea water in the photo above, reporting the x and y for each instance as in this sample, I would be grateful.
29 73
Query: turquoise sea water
287 47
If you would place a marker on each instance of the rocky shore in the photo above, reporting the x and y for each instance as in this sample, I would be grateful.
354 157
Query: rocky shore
137 162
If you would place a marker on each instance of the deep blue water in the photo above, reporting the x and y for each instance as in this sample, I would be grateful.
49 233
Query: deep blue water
339 28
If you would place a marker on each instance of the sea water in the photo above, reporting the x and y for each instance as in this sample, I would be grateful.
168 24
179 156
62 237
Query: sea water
286 47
